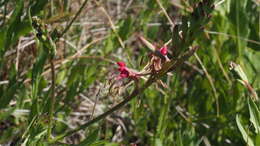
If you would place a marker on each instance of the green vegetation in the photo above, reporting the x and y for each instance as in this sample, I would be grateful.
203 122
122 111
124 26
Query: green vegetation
126 72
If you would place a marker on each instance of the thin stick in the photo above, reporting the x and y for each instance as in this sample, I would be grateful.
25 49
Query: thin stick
233 36
95 103
222 67
210 81
74 18
52 98
112 25
165 13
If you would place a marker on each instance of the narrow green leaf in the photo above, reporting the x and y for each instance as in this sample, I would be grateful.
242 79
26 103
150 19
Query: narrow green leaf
12 88
41 134
179 139
14 23
109 44
99 143
37 6
8 95
246 138
90 139
125 29
254 115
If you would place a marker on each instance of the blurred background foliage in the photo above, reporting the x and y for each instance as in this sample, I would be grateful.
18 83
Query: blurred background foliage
185 113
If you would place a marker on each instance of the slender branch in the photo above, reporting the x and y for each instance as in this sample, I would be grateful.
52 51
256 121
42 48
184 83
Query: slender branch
111 24
165 13
208 76
52 97
95 103
74 18
222 67
233 36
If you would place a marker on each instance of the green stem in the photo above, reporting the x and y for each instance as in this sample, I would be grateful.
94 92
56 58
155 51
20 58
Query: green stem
52 98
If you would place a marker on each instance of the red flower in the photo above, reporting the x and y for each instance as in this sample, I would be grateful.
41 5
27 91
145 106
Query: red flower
164 50
125 72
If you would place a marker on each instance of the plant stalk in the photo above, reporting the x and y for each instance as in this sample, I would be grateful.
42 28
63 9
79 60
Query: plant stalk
53 100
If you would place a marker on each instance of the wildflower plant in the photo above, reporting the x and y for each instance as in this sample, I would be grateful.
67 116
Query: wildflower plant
159 64
54 91
184 34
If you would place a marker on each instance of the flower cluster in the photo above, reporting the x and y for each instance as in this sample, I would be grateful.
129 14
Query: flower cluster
125 72
154 65
158 58
126 75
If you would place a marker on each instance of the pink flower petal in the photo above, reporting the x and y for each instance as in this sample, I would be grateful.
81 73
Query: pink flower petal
164 50
124 71
121 64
